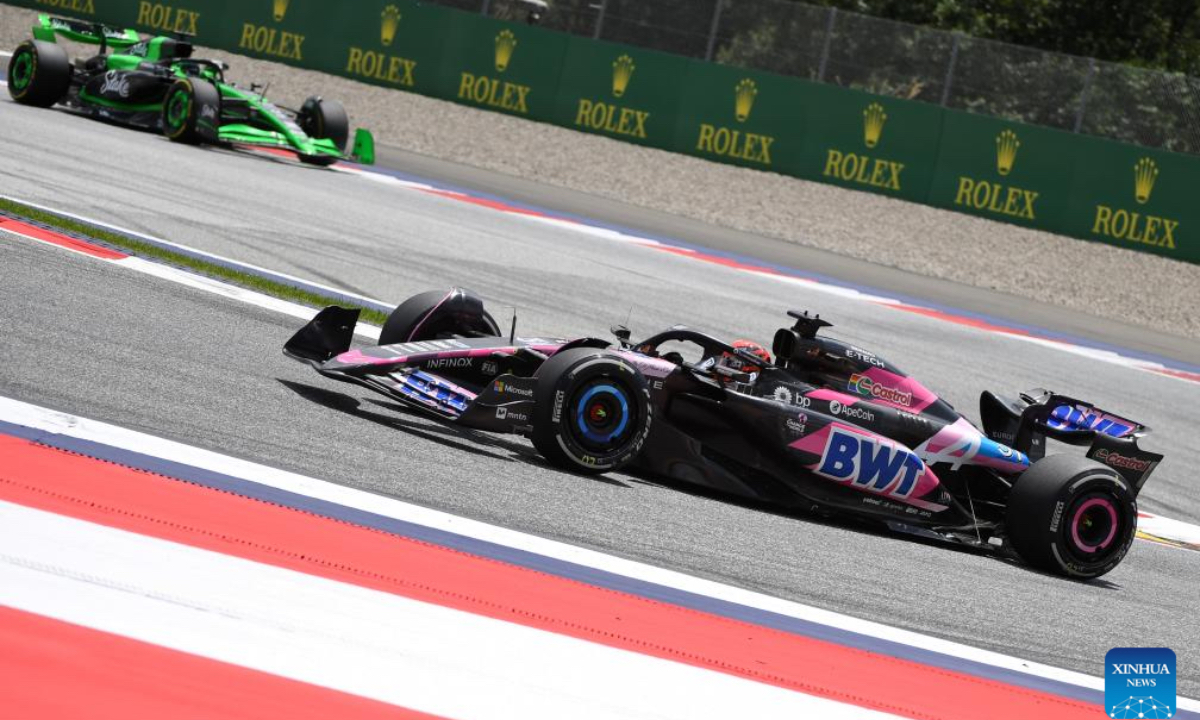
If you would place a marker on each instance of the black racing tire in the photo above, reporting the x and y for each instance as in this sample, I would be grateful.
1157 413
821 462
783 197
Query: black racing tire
326 120
591 411
438 313
1071 516
181 115
39 73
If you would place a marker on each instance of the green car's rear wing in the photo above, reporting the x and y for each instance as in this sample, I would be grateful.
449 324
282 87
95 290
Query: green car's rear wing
92 33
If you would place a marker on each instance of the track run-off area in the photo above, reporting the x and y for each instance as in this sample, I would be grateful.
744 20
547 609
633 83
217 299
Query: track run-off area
92 344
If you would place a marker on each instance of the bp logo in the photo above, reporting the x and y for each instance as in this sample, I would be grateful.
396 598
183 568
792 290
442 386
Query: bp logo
1139 683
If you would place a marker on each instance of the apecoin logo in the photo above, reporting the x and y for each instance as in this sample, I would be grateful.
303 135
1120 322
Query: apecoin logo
1139 683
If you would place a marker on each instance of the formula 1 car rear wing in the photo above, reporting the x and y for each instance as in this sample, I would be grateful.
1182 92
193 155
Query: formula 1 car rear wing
1041 414
92 33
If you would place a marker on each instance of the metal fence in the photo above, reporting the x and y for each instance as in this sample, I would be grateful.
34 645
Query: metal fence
1078 94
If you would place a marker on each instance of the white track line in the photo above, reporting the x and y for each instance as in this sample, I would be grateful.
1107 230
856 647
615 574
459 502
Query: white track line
217 287
216 259
353 639
51 421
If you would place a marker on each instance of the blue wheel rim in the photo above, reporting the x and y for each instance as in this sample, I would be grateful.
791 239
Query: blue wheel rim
586 413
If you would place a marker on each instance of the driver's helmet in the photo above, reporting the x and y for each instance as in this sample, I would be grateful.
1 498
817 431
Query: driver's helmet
738 362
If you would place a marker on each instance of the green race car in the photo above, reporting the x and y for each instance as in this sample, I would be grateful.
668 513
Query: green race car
155 84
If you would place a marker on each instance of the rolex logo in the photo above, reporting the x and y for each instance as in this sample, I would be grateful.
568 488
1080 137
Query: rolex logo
1006 151
622 71
280 9
745 92
873 119
506 42
1145 172
391 19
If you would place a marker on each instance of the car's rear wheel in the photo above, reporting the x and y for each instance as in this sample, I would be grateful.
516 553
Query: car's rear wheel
438 313
191 111
592 410
39 73
1071 516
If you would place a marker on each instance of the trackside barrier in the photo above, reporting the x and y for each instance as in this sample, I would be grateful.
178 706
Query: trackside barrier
1078 185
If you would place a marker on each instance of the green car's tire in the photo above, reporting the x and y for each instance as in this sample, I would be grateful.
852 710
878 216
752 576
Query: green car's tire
324 120
187 113
39 73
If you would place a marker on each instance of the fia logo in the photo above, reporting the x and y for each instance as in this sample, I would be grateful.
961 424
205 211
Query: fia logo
1139 683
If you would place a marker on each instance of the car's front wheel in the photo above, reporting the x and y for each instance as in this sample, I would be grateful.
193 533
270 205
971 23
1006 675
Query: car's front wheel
592 410
438 313
1071 516
324 120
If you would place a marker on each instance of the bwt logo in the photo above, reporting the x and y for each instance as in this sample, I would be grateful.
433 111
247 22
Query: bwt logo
1065 417
1139 683
871 463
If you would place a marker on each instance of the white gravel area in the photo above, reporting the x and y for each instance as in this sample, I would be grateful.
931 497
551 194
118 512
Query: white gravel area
1102 280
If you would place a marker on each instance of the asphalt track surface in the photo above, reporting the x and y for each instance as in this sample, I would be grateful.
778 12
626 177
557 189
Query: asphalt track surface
103 342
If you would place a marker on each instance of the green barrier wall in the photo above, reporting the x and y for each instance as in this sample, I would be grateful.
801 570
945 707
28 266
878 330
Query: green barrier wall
502 66
620 91
1002 170
1087 187
1135 198
388 43
740 116
871 143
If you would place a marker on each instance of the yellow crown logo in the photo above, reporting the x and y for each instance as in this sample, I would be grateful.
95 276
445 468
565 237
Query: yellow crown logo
745 93
623 68
1006 151
873 119
1145 172
506 42
391 19
280 9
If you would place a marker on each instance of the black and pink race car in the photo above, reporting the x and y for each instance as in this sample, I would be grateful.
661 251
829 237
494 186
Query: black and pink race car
824 426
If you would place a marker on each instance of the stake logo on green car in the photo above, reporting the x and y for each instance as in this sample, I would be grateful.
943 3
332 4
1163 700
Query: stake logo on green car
376 65
273 41
861 168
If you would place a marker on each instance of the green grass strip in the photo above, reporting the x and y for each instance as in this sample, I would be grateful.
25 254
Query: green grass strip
210 269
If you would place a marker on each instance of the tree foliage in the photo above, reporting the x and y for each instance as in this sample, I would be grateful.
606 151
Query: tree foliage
1162 34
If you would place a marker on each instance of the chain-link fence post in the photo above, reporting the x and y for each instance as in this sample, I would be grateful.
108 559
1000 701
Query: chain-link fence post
950 70
601 8
483 9
825 47
1083 95
712 30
